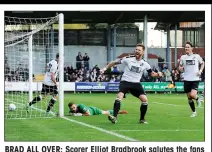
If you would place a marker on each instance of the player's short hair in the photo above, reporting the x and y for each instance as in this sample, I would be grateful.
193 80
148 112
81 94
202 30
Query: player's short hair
70 104
57 55
189 43
141 45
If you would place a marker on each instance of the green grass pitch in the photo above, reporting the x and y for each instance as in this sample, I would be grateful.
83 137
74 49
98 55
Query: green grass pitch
168 117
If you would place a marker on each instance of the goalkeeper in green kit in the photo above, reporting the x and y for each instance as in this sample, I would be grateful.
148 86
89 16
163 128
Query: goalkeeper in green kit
83 110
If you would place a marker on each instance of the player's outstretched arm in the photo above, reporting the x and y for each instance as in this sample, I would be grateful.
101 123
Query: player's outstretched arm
111 64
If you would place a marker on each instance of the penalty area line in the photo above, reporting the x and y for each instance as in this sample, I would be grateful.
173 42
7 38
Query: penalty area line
168 104
100 129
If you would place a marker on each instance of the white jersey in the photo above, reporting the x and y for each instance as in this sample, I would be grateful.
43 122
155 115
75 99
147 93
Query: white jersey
133 69
191 66
52 67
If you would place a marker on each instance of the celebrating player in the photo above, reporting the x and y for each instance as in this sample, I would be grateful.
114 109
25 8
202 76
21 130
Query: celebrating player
49 85
130 81
83 110
189 63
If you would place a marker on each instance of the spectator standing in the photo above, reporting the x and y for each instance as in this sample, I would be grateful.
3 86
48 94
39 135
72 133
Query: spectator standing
79 60
86 59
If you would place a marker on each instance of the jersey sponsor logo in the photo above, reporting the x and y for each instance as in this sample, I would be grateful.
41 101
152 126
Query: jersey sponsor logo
190 62
135 69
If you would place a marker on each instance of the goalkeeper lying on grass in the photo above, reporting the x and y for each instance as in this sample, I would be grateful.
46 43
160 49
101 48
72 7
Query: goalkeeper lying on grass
83 110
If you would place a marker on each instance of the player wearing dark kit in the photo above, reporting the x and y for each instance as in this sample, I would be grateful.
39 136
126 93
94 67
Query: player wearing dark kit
189 64
130 81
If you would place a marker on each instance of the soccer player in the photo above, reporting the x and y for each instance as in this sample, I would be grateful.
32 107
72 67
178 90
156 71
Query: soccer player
189 63
49 85
130 81
83 110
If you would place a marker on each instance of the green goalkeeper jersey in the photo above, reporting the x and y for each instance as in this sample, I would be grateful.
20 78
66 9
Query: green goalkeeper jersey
93 110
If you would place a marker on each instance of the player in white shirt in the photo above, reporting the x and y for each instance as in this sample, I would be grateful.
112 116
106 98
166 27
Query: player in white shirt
130 81
49 85
189 63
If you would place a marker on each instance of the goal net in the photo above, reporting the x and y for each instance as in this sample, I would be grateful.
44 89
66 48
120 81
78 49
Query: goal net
30 43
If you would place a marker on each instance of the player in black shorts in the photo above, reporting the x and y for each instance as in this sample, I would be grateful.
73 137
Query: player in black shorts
130 81
49 85
189 64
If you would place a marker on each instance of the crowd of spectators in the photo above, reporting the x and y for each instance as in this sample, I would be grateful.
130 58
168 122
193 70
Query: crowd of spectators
21 73
114 75
85 73
90 75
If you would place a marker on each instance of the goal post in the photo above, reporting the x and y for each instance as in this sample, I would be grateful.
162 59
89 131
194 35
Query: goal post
61 65
30 43
30 68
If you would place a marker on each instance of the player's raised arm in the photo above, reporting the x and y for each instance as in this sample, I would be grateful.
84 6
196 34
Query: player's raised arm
115 62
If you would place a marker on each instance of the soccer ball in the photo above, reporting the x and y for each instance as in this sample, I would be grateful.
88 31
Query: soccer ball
11 107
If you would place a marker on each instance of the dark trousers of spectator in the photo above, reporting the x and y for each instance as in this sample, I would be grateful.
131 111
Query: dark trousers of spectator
86 64
78 65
